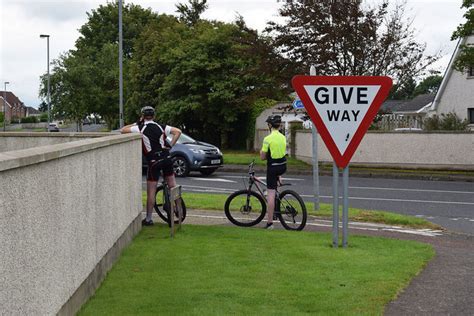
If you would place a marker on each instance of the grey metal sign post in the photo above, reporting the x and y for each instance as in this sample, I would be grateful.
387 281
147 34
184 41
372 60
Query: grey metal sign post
314 132
345 205
335 205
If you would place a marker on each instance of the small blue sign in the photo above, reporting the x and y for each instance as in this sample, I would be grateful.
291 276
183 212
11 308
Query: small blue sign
297 104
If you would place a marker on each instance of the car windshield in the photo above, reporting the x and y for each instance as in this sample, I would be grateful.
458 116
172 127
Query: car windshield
184 139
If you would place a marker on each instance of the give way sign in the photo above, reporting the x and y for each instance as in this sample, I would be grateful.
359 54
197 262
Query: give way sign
342 108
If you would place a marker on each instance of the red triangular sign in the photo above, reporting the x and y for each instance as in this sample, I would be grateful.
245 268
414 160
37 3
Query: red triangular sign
342 108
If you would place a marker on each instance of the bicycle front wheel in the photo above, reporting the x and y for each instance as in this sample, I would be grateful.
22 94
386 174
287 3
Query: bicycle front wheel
291 210
245 208
162 208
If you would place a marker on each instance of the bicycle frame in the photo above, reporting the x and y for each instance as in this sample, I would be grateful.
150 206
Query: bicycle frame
253 180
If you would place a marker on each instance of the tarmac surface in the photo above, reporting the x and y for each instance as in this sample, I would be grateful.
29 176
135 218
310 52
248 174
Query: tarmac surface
444 287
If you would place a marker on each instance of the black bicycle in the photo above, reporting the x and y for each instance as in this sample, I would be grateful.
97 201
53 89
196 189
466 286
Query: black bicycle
163 204
248 207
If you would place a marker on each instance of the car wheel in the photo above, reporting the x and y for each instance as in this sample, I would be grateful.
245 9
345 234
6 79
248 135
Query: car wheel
207 172
180 166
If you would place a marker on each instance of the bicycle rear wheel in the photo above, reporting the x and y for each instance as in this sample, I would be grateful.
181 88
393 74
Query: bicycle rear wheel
245 208
162 208
291 210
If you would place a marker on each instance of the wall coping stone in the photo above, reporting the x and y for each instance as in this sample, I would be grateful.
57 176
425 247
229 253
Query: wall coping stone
57 134
25 157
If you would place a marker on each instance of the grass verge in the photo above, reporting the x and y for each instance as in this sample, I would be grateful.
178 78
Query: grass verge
205 201
245 158
228 270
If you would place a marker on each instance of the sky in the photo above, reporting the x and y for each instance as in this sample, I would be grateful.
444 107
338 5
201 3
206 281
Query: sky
23 53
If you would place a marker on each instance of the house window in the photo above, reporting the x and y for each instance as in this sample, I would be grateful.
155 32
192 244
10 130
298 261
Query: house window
470 115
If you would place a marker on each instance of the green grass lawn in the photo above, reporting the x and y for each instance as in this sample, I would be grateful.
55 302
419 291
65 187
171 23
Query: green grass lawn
220 270
216 202
245 158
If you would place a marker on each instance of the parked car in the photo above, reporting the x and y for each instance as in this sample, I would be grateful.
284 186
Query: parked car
189 155
53 127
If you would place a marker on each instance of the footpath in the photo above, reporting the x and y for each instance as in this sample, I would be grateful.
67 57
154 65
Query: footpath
444 287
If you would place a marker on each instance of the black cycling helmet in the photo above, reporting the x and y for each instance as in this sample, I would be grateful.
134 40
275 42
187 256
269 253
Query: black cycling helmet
148 111
274 120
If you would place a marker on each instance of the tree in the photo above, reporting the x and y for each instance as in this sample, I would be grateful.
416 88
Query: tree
345 38
191 14
429 85
43 107
72 92
203 78
466 57
87 77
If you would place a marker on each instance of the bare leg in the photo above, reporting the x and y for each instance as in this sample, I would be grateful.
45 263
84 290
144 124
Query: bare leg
150 198
270 205
171 180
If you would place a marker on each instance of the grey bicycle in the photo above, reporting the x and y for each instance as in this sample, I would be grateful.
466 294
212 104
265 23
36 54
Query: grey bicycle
248 207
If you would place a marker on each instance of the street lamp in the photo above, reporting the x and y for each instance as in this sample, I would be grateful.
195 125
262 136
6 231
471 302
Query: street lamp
4 105
120 66
49 94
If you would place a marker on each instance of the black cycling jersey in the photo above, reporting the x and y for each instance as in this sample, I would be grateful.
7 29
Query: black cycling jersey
154 141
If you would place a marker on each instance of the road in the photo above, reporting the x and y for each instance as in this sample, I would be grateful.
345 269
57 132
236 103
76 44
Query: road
449 204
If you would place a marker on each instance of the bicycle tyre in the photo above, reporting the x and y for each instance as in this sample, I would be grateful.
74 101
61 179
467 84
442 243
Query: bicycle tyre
231 210
159 206
291 210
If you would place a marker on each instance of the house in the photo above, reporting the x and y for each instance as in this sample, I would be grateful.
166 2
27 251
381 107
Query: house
288 117
456 93
405 113
31 111
12 106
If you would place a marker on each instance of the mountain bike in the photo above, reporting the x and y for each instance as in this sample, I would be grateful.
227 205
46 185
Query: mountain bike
163 204
248 207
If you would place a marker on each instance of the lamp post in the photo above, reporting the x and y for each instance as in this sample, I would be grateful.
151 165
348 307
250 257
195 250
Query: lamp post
4 105
49 94
120 66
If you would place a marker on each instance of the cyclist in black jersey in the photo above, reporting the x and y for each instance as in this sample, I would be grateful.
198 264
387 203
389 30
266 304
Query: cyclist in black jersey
156 150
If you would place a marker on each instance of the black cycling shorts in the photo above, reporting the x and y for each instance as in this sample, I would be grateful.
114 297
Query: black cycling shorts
273 172
156 166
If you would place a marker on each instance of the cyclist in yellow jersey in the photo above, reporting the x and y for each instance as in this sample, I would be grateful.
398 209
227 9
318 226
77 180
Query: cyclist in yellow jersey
274 151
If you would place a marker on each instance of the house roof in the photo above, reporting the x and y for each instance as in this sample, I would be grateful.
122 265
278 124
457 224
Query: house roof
390 106
12 99
417 103
32 110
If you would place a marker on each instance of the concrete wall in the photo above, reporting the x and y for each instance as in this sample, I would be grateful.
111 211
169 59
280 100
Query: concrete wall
429 150
20 140
62 208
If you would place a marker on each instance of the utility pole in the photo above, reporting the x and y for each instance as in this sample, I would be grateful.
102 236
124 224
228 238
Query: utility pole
120 66
49 92
4 106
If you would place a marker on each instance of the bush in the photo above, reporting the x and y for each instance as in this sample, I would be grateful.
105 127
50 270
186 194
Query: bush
43 117
445 122
29 119
1 117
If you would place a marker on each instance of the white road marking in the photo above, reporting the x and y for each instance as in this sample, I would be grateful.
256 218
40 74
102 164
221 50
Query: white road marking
213 180
411 190
246 177
394 200
217 190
